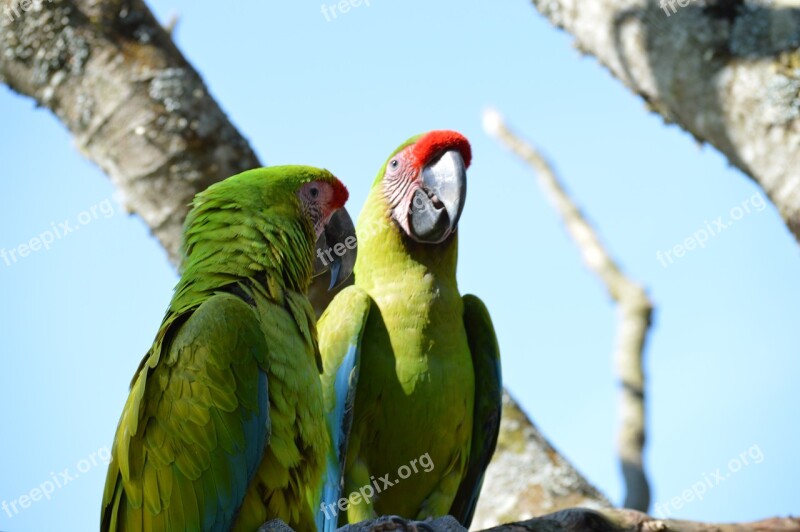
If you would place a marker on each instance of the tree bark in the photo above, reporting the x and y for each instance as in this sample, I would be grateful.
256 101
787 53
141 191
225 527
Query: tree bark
726 71
134 105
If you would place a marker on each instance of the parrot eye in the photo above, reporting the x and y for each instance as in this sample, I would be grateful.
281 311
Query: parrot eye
313 192
394 163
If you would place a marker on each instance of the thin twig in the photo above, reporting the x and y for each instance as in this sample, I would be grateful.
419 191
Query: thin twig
634 312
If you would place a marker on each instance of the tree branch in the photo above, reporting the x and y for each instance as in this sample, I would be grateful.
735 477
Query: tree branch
724 70
635 310
136 107
575 520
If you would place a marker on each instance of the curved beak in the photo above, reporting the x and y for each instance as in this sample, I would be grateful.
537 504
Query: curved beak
437 205
336 248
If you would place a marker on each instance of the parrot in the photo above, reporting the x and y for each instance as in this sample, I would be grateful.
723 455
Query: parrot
224 427
411 368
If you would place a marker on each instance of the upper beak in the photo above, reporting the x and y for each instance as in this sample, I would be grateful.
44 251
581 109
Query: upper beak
336 248
437 206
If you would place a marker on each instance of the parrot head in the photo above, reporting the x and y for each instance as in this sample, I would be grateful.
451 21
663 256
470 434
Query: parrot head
424 183
300 200
323 202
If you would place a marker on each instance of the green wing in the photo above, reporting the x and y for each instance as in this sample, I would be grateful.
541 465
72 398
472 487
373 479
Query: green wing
193 430
340 330
488 406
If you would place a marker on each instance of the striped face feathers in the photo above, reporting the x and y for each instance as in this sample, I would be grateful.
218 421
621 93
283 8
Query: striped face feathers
425 185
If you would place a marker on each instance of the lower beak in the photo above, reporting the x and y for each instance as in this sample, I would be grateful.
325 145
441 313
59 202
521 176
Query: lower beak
336 248
437 205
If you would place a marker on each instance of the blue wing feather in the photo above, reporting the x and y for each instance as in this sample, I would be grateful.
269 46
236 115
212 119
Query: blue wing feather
340 329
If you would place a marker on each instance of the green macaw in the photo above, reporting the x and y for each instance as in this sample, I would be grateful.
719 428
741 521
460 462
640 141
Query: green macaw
224 425
426 410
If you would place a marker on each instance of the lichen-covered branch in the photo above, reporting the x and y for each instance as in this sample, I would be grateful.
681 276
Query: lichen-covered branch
635 311
726 71
112 75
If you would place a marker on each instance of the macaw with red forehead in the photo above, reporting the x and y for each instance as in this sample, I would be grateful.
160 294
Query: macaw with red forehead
425 413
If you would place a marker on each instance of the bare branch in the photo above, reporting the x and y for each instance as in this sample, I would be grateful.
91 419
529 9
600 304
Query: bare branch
635 311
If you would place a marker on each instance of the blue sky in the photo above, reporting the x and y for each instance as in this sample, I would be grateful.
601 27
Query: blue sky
342 93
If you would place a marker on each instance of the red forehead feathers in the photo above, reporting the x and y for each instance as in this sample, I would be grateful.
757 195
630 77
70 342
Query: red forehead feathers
340 194
433 143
